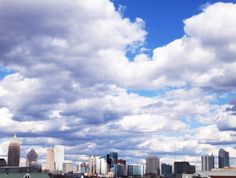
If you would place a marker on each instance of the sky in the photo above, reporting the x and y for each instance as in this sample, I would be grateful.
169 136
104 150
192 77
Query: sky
141 78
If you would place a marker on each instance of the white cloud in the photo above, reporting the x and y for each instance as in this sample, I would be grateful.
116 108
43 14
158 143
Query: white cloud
72 78
150 123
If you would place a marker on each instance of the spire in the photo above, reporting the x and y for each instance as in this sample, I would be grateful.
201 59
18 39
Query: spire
15 139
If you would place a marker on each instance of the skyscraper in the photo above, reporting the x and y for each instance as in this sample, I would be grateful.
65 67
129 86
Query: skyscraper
32 156
92 165
82 168
112 159
223 158
135 170
152 165
58 157
166 169
184 168
14 152
50 159
208 163
103 164
97 165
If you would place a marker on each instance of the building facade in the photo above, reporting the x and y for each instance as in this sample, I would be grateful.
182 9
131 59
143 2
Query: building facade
166 169
58 157
50 160
153 165
208 163
136 170
14 152
103 166
31 157
223 158
92 165
67 167
184 168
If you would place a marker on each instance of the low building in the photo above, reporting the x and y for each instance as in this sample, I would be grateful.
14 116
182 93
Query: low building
217 173
23 175
3 162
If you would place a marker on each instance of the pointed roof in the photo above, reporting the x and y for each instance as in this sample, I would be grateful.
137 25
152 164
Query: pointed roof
15 139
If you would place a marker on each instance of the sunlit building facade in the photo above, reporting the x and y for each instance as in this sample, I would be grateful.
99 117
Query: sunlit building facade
14 152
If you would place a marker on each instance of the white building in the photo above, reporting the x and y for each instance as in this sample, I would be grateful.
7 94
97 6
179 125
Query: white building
92 165
103 166
59 157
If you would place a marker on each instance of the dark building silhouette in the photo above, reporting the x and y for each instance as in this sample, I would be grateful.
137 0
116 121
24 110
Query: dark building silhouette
14 152
184 168
3 162
166 169
112 159
32 156
223 158
122 162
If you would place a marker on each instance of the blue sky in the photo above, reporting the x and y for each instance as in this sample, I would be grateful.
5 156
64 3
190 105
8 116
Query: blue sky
137 77
163 19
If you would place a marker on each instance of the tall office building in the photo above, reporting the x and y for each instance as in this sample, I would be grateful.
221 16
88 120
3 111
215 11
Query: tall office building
223 158
58 157
50 159
92 165
184 168
118 170
166 169
97 165
208 163
14 152
82 168
112 159
103 166
152 165
32 156
136 170
121 161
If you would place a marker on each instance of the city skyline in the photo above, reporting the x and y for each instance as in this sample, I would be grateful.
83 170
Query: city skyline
138 78
107 162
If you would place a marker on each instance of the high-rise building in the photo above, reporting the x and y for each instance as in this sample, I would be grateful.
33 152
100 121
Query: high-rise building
208 163
103 166
82 168
32 156
223 158
92 165
166 169
118 170
58 157
14 152
67 167
152 165
184 168
112 159
50 160
135 170
97 165
121 161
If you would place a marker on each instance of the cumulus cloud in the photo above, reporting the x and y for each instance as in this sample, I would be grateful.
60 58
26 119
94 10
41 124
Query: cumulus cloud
71 80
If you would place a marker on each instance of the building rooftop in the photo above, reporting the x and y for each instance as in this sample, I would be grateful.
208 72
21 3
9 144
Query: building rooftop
24 175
